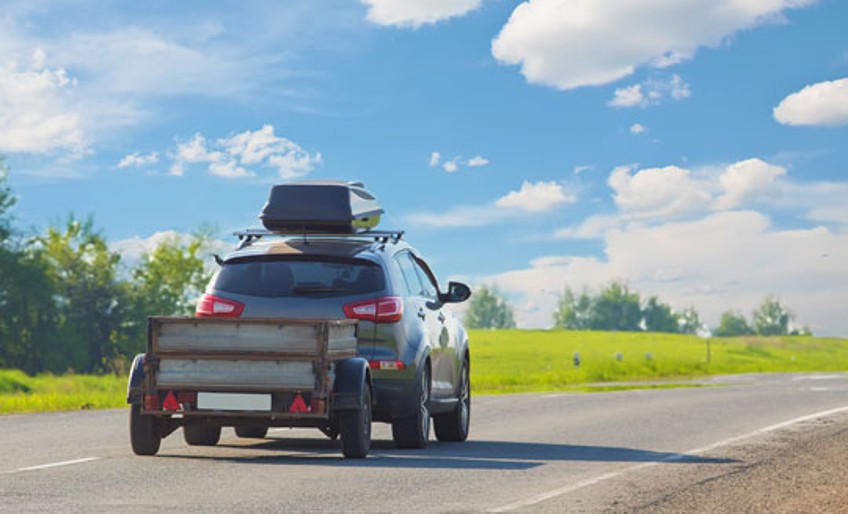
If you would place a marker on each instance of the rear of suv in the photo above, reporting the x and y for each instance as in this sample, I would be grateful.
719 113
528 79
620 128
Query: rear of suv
416 348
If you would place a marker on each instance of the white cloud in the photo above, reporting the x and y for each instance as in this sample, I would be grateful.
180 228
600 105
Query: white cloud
531 198
727 260
657 192
459 217
584 168
572 43
231 157
691 238
536 197
414 13
630 96
136 160
638 129
133 249
134 61
747 180
37 110
651 92
454 165
594 227
823 202
822 104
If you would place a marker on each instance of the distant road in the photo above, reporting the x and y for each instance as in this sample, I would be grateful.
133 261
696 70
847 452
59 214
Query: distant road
638 450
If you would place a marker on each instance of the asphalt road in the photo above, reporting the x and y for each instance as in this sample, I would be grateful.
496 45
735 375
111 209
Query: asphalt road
614 451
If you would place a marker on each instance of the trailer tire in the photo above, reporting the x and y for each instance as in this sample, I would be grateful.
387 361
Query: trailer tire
252 431
454 425
201 435
414 431
144 436
355 427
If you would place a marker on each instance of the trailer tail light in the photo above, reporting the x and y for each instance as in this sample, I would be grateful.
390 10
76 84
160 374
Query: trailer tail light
187 397
211 306
388 309
386 365
151 402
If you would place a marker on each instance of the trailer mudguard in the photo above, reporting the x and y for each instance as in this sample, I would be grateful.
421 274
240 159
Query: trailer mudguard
136 380
347 388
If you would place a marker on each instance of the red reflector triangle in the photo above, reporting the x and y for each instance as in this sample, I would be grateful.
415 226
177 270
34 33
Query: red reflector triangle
171 402
298 405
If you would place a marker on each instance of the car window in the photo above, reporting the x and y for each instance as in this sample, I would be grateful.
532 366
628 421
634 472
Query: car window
429 289
286 277
410 276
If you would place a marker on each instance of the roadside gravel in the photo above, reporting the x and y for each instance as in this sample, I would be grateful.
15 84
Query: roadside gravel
803 470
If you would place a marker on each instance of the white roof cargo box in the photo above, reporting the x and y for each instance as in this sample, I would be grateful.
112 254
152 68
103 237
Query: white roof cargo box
320 206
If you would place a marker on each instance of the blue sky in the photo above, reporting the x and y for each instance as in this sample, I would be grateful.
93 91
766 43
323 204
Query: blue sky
695 149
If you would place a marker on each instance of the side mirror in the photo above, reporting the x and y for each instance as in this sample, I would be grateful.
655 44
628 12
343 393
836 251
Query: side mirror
457 292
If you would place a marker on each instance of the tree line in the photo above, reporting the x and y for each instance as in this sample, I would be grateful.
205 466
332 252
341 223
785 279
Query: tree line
617 307
70 303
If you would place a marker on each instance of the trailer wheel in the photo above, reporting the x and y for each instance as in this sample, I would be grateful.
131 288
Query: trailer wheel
201 435
144 437
453 426
252 431
355 427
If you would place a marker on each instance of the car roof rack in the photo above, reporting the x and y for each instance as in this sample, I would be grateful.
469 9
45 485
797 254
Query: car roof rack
249 236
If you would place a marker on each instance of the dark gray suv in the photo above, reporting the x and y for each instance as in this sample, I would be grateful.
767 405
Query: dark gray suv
417 350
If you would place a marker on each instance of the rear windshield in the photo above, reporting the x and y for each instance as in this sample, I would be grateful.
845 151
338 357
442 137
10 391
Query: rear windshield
286 277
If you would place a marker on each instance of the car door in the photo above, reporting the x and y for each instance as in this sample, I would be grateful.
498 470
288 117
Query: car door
424 301
440 324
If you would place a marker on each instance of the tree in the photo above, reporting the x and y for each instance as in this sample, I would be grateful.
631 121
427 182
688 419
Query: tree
617 308
167 282
91 302
659 317
771 318
487 309
574 312
27 307
171 277
690 321
732 324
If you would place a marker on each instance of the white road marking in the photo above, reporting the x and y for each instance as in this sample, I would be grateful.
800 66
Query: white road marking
539 498
819 377
57 464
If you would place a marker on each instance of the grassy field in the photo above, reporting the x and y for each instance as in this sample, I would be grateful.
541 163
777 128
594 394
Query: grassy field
22 393
508 361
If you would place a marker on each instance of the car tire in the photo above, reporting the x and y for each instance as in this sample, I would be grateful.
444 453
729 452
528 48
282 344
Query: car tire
201 434
252 431
454 425
144 434
355 427
414 431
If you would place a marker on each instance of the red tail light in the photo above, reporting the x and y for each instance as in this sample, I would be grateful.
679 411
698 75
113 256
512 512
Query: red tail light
388 309
211 306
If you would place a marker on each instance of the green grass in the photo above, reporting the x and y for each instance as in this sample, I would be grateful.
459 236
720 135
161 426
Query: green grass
21 393
510 361
507 361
